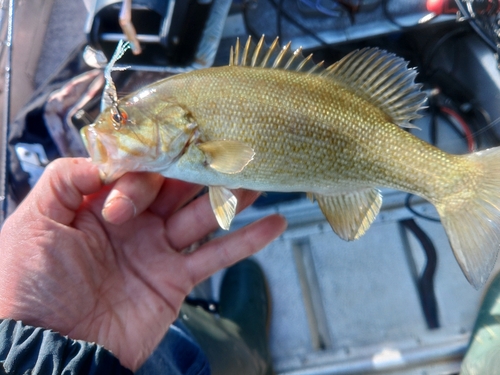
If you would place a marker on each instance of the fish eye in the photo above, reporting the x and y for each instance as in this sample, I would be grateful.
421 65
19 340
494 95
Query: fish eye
119 117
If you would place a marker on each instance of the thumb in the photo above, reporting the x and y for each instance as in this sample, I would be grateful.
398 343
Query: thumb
60 190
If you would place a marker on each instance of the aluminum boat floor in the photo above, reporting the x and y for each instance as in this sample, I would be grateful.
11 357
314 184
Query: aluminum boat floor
348 308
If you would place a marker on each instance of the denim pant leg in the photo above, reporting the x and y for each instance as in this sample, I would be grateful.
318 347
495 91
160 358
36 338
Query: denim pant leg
227 352
201 343
177 354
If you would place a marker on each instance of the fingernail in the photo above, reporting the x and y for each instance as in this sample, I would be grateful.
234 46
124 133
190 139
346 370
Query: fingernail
118 209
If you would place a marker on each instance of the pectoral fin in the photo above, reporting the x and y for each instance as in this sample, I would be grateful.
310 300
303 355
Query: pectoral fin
223 204
351 214
227 156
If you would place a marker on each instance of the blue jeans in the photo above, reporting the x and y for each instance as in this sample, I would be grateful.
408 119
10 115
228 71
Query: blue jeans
199 343
177 354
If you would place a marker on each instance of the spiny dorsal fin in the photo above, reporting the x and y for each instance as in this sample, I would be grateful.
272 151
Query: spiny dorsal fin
384 80
260 56
378 76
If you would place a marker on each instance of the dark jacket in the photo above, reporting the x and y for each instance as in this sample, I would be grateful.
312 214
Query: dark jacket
30 350
37 351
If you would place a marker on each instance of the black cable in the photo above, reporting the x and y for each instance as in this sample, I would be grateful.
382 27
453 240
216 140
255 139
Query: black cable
465 134
323 10
279 15
433 129
484 132
475 26
297 24
389 16
468 133
416 213
451 124
425 283
437 46
253 33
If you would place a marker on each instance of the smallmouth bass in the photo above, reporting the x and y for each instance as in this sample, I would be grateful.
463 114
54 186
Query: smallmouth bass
273 120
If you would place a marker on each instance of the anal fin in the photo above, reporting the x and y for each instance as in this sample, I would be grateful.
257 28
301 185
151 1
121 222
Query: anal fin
351 214
223 204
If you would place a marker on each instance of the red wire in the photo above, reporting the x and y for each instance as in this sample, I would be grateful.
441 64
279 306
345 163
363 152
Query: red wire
471 145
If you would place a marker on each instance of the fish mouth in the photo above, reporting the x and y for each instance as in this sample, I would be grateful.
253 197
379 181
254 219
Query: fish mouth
109 170
93 144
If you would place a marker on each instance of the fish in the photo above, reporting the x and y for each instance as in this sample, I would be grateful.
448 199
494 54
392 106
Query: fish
273 120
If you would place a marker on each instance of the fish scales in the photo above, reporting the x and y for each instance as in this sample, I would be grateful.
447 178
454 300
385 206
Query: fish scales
308 129
275 121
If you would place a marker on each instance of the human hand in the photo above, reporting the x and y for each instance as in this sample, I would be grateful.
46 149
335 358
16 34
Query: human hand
118 282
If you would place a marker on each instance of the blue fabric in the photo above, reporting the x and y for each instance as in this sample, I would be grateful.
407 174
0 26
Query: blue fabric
177 354
30 350
37 351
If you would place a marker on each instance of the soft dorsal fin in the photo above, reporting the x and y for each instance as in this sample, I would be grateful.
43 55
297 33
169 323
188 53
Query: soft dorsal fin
384 80
377 76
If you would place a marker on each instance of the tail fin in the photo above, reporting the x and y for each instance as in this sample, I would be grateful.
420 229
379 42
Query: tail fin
473 224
